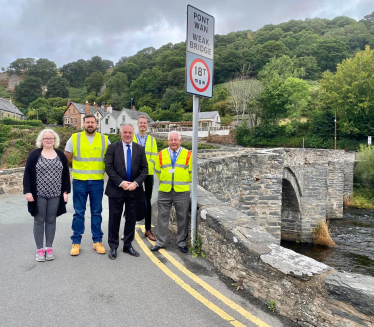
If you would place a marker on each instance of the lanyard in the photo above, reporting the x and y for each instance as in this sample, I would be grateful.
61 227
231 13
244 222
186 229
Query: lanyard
142 140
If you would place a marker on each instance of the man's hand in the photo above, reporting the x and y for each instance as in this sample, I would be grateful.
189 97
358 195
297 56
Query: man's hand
66 197
29 197
129 186
125 185
132 186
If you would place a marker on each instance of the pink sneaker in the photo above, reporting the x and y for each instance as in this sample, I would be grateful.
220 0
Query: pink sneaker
49 254
40 255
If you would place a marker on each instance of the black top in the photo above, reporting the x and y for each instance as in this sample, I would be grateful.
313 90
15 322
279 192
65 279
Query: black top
48 177
29 180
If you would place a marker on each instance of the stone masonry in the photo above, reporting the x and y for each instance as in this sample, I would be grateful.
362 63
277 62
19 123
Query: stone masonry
302 289
286 191
11 180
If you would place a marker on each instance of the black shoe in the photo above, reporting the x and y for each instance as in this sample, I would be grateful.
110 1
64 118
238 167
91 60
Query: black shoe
183 249
131 251
112 254
155 248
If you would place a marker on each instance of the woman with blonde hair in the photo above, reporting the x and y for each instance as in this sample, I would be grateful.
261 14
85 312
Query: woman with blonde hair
46 184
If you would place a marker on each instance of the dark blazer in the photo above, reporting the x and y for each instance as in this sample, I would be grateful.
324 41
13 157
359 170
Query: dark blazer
115 167
29 181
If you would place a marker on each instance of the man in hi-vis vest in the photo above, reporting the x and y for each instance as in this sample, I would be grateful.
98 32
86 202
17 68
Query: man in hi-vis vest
174 170
86 152
149 143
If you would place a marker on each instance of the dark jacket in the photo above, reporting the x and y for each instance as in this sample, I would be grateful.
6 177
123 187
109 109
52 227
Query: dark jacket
116 169
29 181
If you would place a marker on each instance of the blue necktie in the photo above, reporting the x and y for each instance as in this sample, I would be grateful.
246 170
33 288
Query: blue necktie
174 159
128 163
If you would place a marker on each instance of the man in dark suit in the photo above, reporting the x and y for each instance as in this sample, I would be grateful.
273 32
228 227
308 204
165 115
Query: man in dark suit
126 166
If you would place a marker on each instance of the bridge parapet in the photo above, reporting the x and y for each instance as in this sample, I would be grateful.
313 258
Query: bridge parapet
286 191
304 290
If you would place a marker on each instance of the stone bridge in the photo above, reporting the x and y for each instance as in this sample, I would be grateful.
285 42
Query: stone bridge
286 191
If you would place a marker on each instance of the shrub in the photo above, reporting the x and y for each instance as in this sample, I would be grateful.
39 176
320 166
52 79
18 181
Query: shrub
12 121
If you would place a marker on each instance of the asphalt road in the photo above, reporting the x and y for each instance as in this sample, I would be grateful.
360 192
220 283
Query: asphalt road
91 290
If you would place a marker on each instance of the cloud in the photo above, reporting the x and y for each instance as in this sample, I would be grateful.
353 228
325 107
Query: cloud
65 31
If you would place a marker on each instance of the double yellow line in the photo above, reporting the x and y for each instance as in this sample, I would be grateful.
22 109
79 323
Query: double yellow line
200 282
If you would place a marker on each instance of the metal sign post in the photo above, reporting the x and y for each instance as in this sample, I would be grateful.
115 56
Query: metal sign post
369 140
199 82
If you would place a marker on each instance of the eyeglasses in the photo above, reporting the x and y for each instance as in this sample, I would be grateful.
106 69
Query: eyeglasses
48 139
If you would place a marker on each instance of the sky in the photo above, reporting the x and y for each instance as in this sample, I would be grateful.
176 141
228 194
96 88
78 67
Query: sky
67 30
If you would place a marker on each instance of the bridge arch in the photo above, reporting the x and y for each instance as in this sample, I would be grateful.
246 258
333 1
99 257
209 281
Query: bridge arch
291 217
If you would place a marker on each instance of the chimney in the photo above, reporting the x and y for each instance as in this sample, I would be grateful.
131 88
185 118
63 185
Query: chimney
95 106
87 108
109 108
69 101
133 108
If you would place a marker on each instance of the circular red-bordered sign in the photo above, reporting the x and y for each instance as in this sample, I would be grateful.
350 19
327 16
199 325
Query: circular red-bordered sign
196 61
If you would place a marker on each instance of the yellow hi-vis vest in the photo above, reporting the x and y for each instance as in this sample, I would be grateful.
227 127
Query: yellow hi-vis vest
182 175
150 152
89 159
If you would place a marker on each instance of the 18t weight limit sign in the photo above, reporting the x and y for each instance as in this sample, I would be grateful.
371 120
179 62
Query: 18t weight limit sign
199 75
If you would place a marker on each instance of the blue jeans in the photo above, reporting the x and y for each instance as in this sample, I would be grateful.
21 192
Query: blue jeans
81 190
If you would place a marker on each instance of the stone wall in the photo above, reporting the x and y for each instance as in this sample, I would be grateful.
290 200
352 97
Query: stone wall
11 180
286 191
349 163
304 290
248 181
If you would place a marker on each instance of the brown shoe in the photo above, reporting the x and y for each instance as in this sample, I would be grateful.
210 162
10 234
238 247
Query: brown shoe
150 235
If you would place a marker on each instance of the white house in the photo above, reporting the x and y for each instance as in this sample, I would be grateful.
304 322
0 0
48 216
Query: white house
209 122
209 119
111 122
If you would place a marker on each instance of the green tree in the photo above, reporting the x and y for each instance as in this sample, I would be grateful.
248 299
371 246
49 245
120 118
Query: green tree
57 87
283 67
145 83
20 65
58 102
350 92
118 84
130 69
96 64
43 69
146 109
94 82
264 52
296 94
28 90
330 52
75 72
55 115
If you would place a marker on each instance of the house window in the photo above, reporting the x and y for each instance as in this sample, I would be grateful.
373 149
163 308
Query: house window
67 120
106 121
74 110
123 118
69 111
76 121
2 115
111 131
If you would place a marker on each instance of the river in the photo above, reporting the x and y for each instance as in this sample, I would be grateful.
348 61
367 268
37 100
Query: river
354 236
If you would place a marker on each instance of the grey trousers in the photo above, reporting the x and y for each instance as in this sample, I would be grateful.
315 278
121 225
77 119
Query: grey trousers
181 202
45 221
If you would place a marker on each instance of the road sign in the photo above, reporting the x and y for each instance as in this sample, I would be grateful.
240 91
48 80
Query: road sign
199 81
369 140
200 33
199 52
199 75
